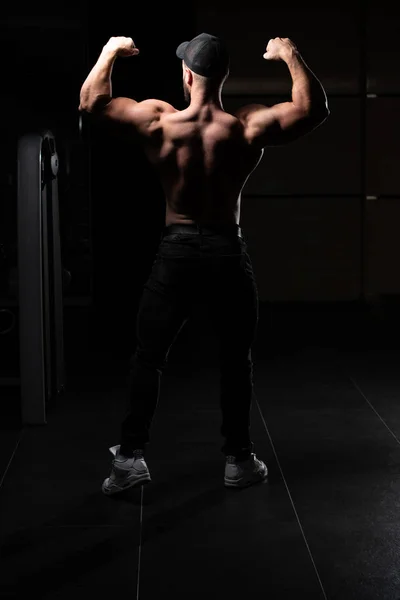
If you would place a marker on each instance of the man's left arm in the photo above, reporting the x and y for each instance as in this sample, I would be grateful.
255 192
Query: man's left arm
96 94
96 91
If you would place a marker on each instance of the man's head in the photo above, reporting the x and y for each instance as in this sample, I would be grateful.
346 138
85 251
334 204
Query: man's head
206 56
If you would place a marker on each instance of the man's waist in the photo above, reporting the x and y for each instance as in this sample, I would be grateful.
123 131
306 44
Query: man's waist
204 229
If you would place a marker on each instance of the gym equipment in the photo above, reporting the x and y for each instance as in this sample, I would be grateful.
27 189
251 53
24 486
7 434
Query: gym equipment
41 344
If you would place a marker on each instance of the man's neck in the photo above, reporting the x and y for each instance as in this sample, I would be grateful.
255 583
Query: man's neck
200 97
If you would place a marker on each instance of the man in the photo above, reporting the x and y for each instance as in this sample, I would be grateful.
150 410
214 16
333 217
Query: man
203 157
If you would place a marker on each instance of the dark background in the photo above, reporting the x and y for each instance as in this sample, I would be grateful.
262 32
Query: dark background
321 220
320 215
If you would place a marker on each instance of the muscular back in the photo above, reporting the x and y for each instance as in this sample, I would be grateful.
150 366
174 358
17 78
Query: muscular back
203 161
202 154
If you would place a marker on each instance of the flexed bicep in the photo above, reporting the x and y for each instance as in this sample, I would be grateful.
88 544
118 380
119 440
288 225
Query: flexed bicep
287 121
135 117
274 125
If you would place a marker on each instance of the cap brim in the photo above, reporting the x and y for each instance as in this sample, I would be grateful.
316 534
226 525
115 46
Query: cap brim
180 51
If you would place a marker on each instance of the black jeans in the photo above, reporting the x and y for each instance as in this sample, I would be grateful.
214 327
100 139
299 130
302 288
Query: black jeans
196 265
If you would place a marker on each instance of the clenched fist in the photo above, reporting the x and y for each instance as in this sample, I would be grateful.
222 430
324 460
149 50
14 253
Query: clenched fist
122 46
278 48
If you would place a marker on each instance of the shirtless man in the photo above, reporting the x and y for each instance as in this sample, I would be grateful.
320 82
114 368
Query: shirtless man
203 156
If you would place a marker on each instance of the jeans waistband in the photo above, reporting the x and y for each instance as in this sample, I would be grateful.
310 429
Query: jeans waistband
203 229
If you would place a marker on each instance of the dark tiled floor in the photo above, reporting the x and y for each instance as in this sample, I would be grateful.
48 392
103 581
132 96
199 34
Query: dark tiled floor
325 418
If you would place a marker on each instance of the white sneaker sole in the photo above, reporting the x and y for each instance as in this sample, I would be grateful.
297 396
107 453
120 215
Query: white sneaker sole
110 487
246 480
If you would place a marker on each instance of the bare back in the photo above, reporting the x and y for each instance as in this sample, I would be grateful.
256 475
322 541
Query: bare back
203 161
204 155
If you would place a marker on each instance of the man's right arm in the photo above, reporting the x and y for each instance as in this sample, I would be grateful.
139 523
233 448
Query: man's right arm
287 121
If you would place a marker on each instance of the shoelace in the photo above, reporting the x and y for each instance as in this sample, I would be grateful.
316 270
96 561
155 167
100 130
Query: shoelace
232 459
137 454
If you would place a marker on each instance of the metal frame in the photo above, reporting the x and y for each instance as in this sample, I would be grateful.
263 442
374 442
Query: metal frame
40 276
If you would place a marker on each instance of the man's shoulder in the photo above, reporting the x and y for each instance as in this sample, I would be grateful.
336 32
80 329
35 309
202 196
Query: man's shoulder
153 104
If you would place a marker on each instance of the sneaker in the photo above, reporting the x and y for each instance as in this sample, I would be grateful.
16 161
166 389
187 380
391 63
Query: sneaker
240 474
126 472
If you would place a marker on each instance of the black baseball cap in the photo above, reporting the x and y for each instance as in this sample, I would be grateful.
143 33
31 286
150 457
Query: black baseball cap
205 55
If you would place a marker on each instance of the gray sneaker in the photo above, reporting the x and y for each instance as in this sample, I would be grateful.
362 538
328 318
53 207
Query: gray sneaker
240 474
125 472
